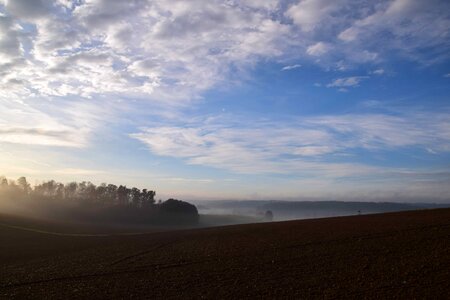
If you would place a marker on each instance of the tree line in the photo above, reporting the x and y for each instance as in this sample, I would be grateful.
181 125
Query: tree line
84 192
86 201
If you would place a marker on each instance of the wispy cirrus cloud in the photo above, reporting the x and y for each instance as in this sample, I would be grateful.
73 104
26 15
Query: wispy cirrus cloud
378 72
291 67
318 49
299 146
427 21
347 81
66 125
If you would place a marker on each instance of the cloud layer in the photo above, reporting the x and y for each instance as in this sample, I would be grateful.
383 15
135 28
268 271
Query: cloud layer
305 146
174 50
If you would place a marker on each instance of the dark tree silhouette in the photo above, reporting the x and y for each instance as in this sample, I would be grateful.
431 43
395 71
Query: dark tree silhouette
107 200
23 184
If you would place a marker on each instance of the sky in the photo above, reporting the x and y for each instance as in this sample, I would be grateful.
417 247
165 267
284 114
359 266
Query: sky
250 99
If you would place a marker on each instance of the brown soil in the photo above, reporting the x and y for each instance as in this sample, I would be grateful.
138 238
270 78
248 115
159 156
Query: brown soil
396 255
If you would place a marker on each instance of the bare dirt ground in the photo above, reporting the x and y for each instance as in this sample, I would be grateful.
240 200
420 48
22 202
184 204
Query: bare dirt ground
396 255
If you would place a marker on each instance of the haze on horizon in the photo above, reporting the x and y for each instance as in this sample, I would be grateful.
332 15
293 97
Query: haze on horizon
230 99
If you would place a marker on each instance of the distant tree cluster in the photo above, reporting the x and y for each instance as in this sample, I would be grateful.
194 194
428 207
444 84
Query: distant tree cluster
83 192
105 202
177 206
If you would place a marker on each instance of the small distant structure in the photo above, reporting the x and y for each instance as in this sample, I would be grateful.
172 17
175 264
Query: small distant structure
359 212
268 216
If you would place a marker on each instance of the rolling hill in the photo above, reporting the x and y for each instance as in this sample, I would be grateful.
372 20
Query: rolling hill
391 255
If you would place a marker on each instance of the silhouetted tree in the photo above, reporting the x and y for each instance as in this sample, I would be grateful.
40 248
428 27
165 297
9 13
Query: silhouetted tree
135 194
3 182
70 190
59 191
122 195
111 194
147 198
100 194
46 189
23 184
178 206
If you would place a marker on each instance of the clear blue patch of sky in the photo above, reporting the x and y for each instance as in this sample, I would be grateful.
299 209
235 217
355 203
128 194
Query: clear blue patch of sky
272 91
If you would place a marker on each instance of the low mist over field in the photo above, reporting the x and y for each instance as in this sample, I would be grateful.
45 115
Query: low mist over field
86 202
123 206
292 210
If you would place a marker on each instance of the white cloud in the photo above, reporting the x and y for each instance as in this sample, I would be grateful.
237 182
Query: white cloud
29 9
313 150
11 49
299 146
308 14
77 171
244 150
291 67
318 49
188 180
68 125
349 34
377 131
378 72
399 20
347 81
155 50
173 51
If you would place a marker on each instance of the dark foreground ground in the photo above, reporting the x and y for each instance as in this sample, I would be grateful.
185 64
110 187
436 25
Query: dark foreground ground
396 255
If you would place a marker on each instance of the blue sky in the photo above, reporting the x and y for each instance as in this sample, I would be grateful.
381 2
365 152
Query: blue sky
230 99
